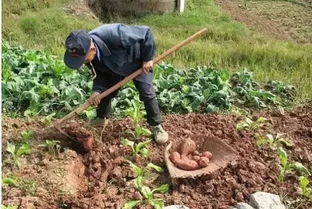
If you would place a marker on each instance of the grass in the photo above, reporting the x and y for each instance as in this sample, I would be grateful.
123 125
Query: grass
43 25
228 44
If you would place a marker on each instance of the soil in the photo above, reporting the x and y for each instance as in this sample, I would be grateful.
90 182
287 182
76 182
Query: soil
102 177
279 19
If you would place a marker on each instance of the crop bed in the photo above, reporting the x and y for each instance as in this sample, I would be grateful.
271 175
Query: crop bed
102 178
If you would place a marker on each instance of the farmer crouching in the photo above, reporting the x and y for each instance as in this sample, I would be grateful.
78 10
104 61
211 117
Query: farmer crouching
112 52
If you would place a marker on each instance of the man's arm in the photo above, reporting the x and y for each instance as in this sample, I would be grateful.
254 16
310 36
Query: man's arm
148 47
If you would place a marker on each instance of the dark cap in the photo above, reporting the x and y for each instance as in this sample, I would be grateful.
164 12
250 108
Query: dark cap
77 46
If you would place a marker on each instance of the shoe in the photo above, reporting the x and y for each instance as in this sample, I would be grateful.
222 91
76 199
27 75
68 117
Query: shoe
159 134
97 122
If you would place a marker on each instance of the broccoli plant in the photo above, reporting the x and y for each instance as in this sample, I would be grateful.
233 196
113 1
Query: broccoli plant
53 146
249 124
139 149
16 154
303 186
286 166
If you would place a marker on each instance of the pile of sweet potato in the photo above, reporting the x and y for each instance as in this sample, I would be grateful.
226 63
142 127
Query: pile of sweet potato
186 156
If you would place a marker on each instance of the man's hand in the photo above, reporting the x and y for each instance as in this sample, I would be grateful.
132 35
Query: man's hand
147 66
94 100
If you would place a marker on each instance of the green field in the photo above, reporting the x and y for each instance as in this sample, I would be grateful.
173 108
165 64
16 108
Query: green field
227 45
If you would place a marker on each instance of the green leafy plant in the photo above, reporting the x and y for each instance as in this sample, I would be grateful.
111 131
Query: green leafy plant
53 146
8 207
304 189
26 136
147 192
8 181
90 113
38 84
17 154
274 141
286 166
138 149
249 124
141 131
135 111
47 121
138 171
149 198
35 83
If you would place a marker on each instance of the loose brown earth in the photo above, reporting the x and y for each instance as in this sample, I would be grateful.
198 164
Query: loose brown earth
102 178
279 19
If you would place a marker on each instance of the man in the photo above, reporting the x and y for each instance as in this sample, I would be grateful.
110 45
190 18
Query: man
113 51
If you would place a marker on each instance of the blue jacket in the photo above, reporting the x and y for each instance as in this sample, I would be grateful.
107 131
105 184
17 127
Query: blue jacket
123 49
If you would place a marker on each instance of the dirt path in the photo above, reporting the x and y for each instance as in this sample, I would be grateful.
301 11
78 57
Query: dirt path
108 175
278 19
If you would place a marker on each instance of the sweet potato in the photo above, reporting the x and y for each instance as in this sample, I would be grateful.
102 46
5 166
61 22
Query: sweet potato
183 162
195 152
196 157
187 164
207 154
175 157
187 146
203 162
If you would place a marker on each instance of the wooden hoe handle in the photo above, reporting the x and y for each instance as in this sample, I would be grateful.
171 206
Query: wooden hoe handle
118 85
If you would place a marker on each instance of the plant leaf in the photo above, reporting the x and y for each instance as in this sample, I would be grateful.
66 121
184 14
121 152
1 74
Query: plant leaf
157 204
9 181
144 152
131 204
24 149
136 169
141 131
138 182
127 142
285 142
155 167
283 157
262 141
10 148
303 183
162 189
300 168
146 192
